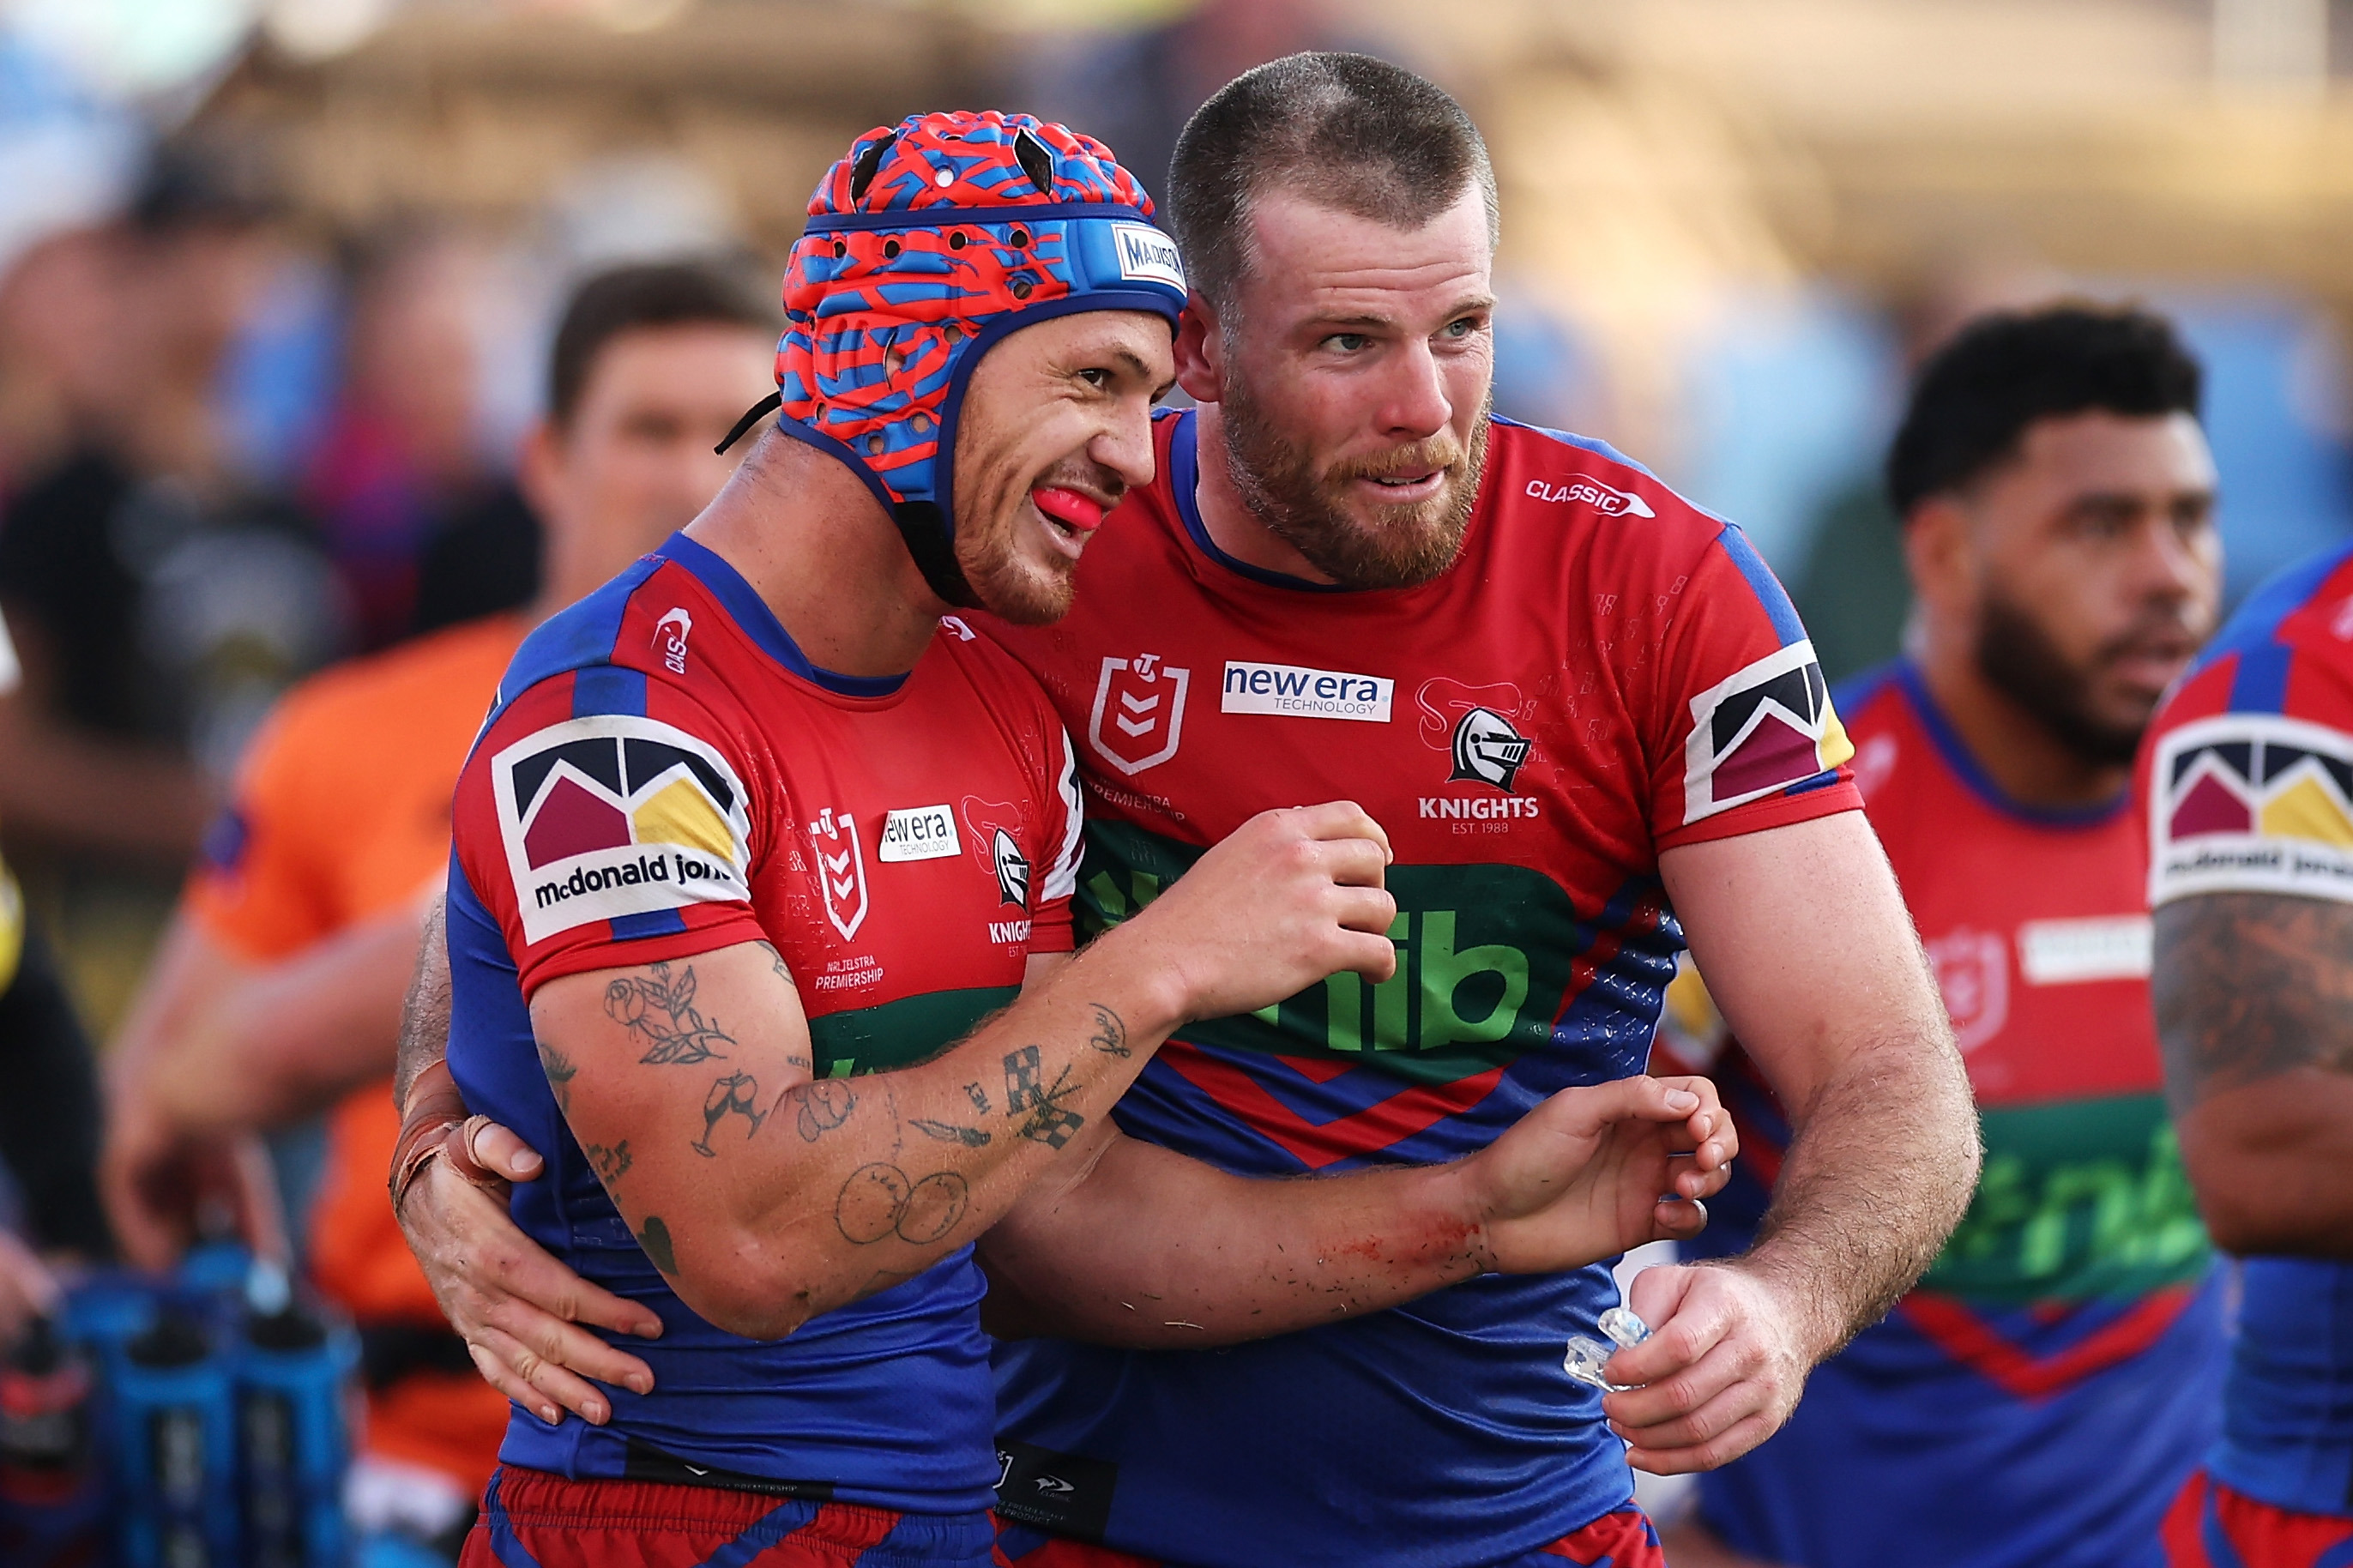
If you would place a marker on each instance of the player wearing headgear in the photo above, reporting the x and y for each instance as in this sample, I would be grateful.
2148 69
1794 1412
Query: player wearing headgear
1593 724
760 886
2042 1395
2247 785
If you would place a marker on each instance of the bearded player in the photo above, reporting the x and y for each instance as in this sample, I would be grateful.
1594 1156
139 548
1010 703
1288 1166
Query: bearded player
2247 783
2042 1394
1595 729
761 881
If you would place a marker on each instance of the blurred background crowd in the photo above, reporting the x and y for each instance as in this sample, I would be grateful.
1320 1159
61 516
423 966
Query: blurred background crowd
278 280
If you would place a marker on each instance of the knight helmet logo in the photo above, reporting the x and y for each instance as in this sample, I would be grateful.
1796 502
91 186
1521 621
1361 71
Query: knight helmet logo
1012 869
1139 713
1486 748
840 869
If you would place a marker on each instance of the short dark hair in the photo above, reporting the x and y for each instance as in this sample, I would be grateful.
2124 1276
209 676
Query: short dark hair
1356 133
639 295
2001 372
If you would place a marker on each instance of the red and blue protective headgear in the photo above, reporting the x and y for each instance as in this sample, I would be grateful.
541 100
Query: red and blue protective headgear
928 243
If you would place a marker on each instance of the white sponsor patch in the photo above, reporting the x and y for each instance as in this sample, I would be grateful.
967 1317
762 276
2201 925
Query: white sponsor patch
1297 692
1147 253
2068 952
611 815
919 833
2252 803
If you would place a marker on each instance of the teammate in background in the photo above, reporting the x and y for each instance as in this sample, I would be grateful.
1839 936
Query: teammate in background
763 934
2042 1392
2247 782
278 991
1591 724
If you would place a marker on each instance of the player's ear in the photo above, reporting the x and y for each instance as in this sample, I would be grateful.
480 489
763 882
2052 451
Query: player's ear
1940 552
1200 350
539 468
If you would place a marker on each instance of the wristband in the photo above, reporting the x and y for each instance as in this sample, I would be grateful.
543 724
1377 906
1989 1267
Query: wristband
437 1123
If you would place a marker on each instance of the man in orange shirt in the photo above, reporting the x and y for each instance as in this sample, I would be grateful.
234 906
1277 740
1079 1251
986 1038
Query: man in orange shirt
277 990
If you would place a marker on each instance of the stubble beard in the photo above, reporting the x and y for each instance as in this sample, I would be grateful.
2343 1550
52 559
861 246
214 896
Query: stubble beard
2021 661
1399 546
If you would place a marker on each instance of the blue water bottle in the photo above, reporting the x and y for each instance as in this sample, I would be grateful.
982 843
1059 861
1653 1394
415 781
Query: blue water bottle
52 1489
293 1398
175 1424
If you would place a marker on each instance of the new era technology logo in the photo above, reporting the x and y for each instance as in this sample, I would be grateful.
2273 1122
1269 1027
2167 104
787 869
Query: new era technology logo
611 815
1139 713
919 833
1295 691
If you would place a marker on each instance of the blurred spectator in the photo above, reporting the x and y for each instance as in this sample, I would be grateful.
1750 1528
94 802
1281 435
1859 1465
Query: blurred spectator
48 1118
158 604
277 994
1136 91
401 460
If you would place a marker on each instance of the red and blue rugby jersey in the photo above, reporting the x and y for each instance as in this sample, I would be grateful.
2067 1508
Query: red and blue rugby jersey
666 774
2247 783
1604 673
2043 1392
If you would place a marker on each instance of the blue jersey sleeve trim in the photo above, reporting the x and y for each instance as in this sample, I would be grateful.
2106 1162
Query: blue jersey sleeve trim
1856 692
609 688
652 923
1593 444
1964 763
2259 683
1184 473
751 612
579 635
2258 619
1761 581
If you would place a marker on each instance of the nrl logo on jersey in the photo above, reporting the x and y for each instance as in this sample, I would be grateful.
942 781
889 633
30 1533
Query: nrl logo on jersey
611 815
1762 729
1138 716
840 869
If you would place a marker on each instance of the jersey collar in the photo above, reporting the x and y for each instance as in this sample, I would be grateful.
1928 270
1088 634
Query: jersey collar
1964 763
748 610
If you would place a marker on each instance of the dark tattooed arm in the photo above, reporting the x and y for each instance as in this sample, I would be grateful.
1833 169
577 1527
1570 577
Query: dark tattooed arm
2254 1009
767 1197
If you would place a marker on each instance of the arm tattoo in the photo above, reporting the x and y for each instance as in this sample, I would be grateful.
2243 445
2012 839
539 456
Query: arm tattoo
2247 985
738 1094
655 1239
879 1201
1048 1121
1111 1036
825 1105
612 1163
662 1010
560 1069
979 1096
948 1132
